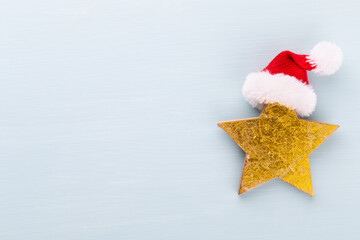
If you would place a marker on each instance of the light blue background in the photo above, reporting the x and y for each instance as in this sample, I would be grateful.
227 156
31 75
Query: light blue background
108 113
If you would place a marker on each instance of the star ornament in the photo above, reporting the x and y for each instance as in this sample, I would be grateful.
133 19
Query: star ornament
277 144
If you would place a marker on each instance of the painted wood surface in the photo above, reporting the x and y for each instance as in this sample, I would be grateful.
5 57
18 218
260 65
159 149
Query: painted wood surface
108 113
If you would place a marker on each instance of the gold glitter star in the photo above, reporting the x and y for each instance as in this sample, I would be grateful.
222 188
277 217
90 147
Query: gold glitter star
277 144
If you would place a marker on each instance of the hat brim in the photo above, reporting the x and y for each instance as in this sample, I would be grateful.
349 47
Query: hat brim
262 88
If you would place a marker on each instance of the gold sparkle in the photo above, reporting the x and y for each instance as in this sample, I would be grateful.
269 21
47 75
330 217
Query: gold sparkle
277 144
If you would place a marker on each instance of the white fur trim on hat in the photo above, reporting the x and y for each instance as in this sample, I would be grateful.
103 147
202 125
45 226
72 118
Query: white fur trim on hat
262 88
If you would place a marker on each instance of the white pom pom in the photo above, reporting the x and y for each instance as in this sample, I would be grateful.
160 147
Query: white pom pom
327 57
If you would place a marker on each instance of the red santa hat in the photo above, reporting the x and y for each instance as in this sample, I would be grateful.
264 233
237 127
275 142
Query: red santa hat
285 81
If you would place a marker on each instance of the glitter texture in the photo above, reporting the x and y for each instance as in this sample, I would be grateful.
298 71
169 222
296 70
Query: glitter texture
277 144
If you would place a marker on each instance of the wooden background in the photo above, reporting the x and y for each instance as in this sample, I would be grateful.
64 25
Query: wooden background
108 113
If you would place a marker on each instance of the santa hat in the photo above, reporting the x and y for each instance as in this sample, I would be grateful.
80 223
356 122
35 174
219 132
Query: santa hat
285 81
